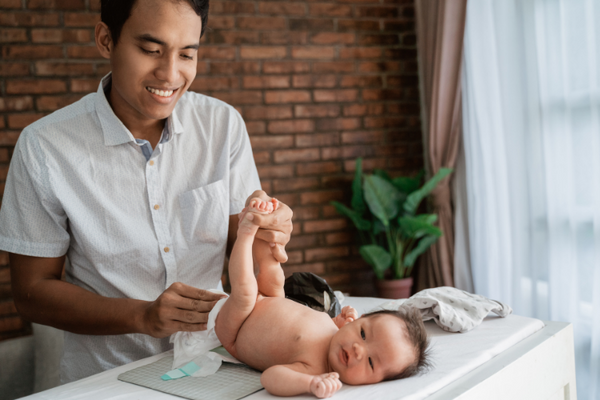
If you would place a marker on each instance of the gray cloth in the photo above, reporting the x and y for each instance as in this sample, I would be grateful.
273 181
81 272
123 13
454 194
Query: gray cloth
452 309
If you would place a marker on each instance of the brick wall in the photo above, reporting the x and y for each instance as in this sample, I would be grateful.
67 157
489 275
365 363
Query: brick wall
318 83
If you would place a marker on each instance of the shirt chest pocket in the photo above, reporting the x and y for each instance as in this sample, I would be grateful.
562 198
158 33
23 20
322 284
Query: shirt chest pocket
205 214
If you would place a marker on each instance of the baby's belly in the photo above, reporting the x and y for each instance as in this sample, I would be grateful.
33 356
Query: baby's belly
279 331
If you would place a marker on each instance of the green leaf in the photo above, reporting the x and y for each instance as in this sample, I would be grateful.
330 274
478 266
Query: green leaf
358 202
419 226
377 257
419 249
398 267
382 198
378 227
383 174
414 199
406 184
357 219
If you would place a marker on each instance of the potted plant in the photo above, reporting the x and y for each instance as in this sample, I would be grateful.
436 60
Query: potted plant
393 235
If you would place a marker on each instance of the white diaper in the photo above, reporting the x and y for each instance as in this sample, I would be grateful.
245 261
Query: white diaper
188 346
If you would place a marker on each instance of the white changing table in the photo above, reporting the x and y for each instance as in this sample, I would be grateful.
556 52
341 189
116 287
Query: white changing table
541 366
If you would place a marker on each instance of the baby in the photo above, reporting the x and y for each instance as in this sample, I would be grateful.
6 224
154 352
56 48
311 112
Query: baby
302 350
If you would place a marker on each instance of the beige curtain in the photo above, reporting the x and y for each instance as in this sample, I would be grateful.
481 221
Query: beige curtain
440 31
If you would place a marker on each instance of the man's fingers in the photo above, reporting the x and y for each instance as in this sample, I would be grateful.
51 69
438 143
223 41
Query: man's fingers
198 305
190 317
278 219
194 293
272 236
191 327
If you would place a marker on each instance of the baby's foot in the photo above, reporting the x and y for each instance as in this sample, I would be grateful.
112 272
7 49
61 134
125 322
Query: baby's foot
259 206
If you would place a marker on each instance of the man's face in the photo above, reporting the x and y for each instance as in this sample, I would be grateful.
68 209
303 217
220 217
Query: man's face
154 60
370 349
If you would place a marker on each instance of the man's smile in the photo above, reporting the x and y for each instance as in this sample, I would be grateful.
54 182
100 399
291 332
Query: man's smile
161 92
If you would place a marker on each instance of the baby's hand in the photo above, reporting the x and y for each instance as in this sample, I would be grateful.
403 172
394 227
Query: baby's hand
325 385
347 315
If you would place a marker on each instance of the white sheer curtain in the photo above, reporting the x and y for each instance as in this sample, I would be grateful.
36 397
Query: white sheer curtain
531 100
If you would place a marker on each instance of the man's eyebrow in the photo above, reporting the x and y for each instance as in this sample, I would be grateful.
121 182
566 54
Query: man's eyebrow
149 38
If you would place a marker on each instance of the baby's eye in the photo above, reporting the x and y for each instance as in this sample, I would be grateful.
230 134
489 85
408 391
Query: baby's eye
371 362
362 333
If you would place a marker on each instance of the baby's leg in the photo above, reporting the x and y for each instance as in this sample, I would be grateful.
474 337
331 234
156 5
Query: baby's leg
244 289
270 276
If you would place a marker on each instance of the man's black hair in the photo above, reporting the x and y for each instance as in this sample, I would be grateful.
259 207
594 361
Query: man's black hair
114 13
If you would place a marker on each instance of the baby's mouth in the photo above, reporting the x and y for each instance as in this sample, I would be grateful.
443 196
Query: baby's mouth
345 356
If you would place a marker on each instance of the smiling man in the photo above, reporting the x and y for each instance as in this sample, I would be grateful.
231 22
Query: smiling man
138 185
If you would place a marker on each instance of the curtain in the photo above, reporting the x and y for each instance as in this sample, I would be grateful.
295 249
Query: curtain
532 149
440 30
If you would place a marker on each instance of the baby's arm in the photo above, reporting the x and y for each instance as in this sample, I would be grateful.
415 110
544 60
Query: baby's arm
286 380
347 315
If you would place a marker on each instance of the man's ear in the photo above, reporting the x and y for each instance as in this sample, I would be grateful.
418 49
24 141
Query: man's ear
104 41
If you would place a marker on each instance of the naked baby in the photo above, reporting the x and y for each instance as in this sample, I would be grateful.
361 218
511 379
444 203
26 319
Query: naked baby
302 350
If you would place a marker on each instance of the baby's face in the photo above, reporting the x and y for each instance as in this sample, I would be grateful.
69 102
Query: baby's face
370 349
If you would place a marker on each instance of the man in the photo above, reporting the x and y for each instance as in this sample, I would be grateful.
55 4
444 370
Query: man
138 185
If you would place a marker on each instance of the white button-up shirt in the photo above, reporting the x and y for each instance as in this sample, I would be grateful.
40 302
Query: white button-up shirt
80 184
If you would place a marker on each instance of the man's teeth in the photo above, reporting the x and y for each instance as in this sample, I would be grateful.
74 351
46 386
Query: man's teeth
162 93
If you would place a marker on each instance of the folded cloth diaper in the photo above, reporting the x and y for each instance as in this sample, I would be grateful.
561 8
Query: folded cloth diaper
194 346
452 309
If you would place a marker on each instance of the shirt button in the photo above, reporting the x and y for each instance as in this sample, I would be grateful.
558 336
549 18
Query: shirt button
156 206
151 162
166 249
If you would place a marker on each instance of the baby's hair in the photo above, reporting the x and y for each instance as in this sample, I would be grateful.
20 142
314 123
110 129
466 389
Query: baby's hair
416 334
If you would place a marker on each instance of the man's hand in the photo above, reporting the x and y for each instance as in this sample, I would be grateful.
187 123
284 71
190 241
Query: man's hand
179 308
347 315
275 228
325 385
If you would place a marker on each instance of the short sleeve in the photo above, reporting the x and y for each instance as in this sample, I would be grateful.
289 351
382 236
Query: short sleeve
243 180
31 220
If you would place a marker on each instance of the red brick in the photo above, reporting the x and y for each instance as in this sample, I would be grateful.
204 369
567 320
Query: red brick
240 97
307 212
291 126
2 126
9 138
22 103
284 38
355 110
409 39
333 66
340 238
388 66
43 68
262 157
285 67
281 8
103 68
377 12
258 52
331 153
301 241
318 168
5 158
368 164
221 22
326 253
84 85
288 156
271 142
20 121
294 257
378 94
52 103
399 25
95 5
315 268
83 52
232 37
354 25
14 69
32 52
61 35
29 19
261 23
256 127
231 7
363 137
10 4
81 19
275 171
12 35
331 124
311 24
384 122
372 39
313 52
403 80
310 111
343 95
203 84
216 53
268 82
400 54
322 197
325 225
35 86
330 10
267 112
314 81
56 4
287 185
333 38
316 140
404 109
234 67
287 96
360 52
361 81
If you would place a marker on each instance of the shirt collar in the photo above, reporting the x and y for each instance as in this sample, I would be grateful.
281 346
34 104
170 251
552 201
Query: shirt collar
115 132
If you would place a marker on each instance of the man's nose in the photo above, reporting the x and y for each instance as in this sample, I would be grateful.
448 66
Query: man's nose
359 351
167 70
